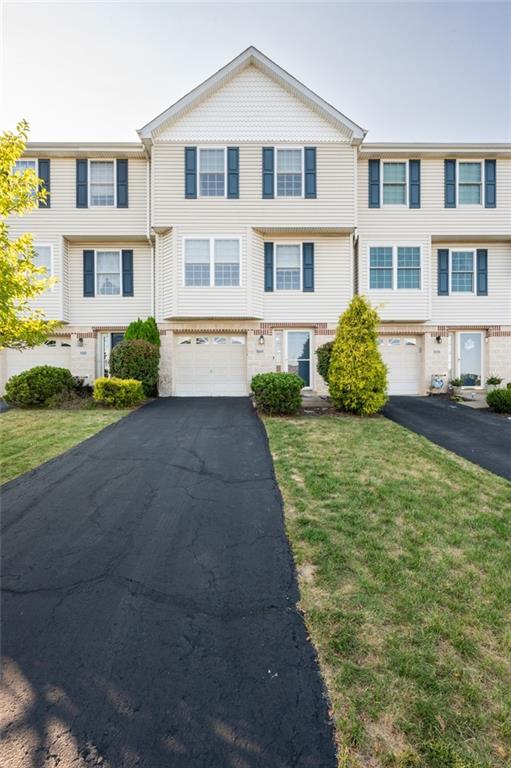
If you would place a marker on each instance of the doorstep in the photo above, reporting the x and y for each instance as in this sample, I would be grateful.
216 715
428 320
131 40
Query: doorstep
313 400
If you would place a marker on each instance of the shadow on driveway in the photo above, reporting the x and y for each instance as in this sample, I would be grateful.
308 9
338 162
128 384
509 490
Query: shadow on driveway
480 436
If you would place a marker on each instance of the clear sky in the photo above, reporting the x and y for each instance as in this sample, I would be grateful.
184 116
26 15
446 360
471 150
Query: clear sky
405 70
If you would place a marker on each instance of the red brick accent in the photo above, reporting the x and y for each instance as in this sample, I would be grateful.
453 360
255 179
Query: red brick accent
210 331
266 329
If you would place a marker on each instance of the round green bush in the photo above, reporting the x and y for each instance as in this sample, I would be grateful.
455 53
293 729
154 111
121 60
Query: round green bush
119 393
43 385
137 359
324 353
500 400
278 393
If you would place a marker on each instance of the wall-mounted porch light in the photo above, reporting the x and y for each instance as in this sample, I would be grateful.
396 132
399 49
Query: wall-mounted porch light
261 340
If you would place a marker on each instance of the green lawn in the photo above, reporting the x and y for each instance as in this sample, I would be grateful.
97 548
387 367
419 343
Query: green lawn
27 438
404 559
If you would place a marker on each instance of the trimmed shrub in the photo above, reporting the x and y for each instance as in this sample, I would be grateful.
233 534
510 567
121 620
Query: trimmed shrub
119 393
500 400
357 377
43 385
137 359
277 392
143 329
324 353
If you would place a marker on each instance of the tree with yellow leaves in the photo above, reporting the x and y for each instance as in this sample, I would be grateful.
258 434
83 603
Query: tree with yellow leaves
21 281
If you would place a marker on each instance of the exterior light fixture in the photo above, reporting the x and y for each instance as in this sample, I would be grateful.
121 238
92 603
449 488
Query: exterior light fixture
261 340
80 341
438 339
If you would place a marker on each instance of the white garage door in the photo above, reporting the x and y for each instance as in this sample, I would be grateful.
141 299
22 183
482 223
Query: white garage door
54 352
210 366
402 356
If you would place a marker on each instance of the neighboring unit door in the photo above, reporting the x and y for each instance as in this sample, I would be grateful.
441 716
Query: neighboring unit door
297 355
56 352
470 358
107 343
402 357
209 366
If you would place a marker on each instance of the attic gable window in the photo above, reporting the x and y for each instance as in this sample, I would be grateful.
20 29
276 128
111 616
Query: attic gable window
212 172
289 171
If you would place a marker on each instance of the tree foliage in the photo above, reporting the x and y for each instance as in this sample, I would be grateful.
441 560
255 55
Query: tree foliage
20 280
357 376
324 353
143 329
137 359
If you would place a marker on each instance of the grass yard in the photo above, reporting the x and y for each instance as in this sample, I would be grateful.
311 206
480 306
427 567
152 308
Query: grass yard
404 560
27 438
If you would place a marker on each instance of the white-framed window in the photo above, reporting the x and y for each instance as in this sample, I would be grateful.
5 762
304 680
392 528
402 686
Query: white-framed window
25 163
102 184
395 267
108 273
44 257
395 182
212 262
212 171
462 271
470 182
289 171
288 267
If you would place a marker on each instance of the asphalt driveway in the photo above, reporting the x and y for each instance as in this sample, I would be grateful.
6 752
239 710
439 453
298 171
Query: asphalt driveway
149 604
478 435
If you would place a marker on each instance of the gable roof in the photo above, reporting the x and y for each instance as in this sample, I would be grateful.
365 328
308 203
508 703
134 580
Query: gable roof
252 56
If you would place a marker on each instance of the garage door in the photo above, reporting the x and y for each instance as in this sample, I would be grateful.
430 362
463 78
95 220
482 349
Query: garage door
402 356
54 352
210 366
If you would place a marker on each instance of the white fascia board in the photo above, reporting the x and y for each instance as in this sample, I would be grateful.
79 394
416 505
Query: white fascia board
434 148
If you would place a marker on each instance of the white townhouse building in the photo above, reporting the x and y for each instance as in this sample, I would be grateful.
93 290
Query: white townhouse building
245 219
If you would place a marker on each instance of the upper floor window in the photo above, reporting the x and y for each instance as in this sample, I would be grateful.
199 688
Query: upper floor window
288 267
108 273
470 183
394 183
212 172
102 183
393 267
43 258
212 262
462 271
24 164
289 171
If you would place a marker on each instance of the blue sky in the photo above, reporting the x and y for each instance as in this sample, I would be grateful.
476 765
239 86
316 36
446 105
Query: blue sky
405 70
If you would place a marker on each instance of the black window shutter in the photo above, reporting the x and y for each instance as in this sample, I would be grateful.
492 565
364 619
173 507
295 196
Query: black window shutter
414 178
44 175
490 183
88 273
81 184
308 267
310 171
127 273
374 183
268 266
268 172
190 172
122 183
482 272
450 183
233 172
443 271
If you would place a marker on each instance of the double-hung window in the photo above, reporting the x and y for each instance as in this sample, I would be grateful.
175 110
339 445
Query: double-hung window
289 172
25 164
394 183
395 267
380 268
108 273
462 271
409 267
212 172
43 258
102 183
288 267
212 262
470 183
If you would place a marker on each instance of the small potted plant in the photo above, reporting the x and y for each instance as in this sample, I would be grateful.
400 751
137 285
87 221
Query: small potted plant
492 382
456 385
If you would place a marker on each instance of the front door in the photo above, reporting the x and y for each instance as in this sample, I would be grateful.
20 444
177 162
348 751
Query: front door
298 354
470 358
